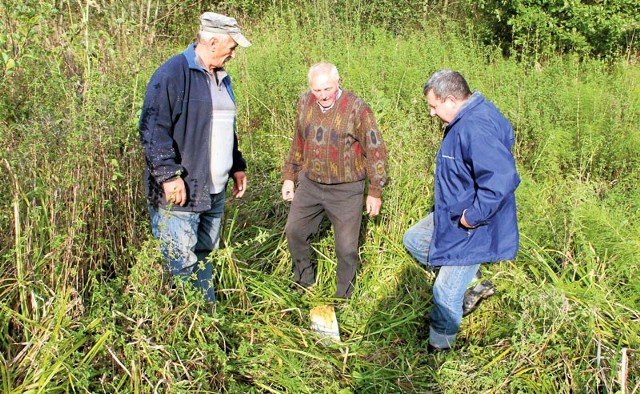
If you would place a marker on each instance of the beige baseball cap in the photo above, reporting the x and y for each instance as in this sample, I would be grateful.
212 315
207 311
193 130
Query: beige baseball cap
218 23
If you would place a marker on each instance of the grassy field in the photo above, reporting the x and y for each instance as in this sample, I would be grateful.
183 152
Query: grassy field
86 306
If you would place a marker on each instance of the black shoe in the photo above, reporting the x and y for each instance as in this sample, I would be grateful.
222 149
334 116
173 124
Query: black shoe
474 296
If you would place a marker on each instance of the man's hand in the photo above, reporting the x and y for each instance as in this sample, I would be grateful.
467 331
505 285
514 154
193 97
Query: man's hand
373 205
288 190
463 221
175 191
239 184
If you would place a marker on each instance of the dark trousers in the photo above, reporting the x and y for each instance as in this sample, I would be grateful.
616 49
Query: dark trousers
342 204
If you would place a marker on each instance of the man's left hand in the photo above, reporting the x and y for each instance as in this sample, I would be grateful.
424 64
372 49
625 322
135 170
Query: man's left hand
239 184
373 205
464 223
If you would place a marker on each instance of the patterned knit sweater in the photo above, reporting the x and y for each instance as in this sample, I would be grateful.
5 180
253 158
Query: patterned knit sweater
338 146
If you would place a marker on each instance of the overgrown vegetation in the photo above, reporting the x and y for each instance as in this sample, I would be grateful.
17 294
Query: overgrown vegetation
86 304
541 29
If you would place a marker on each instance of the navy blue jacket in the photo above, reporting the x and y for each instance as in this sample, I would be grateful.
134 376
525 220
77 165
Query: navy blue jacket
175 127
475 174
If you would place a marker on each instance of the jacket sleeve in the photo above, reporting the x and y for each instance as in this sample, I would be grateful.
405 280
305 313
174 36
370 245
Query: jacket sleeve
162 105
239 164
494 172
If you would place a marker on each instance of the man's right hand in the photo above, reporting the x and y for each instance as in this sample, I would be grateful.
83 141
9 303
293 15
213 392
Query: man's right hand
288 190
175 192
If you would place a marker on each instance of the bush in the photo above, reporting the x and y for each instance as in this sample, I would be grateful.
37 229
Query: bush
542 28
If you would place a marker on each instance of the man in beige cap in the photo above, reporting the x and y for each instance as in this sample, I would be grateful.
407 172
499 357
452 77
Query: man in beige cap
187 130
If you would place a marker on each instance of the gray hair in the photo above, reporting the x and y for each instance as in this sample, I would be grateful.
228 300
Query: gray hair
206 37
445 83
323 68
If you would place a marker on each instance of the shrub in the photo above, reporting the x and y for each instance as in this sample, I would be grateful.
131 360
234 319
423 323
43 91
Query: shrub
542 28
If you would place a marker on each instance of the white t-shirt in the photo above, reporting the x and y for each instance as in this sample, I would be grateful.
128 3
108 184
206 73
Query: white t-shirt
221 148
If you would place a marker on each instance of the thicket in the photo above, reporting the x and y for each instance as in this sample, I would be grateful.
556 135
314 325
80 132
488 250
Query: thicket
85 302
530 30
541 29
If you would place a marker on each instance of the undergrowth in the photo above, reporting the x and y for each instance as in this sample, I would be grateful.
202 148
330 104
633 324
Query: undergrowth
86 302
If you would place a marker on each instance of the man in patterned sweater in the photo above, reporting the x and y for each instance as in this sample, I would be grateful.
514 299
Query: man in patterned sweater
336 146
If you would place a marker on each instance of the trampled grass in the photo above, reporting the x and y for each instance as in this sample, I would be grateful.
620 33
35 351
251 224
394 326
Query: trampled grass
86 304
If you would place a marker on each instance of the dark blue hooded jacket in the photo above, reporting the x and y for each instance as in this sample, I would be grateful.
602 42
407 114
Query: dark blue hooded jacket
175 127
475 174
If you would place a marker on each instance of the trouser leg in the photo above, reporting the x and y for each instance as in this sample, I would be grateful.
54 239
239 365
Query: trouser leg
177 232
187 238
208 240
303 221
418 238
448 293
344 209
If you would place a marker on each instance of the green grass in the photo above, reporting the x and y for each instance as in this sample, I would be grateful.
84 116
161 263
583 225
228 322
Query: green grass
87 306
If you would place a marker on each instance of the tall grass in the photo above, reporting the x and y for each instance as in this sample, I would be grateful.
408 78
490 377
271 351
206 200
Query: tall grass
88 307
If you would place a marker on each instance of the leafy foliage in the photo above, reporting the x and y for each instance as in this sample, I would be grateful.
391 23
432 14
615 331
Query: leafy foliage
542 28
86 302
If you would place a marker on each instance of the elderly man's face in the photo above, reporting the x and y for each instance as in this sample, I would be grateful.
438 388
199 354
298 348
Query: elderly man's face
222 51
324 88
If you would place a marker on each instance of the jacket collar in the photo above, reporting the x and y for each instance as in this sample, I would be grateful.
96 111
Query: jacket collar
192 57
474 100
192 60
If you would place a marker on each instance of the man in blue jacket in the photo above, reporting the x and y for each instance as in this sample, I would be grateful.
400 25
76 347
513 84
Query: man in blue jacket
187 130
474 216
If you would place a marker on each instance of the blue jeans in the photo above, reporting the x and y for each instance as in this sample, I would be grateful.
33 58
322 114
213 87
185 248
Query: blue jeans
187 238
448 289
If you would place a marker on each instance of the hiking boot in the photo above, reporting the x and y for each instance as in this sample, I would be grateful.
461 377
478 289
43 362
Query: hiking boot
474 296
